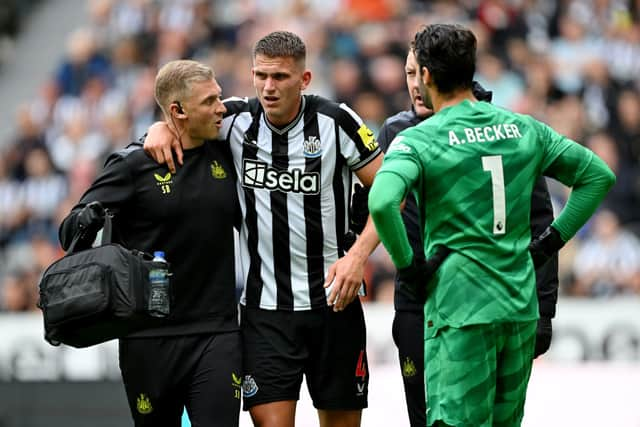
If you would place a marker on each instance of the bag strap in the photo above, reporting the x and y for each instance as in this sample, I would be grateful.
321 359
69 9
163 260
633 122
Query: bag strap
107 233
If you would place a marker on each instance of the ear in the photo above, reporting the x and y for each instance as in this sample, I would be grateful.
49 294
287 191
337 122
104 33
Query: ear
177 111
426 77
306 79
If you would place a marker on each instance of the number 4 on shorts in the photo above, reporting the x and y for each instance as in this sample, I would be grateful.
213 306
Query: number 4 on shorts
361 366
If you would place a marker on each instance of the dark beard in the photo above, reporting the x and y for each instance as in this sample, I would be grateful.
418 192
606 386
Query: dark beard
424 93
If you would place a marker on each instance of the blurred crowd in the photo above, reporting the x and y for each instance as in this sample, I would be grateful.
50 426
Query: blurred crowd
574 64
12 16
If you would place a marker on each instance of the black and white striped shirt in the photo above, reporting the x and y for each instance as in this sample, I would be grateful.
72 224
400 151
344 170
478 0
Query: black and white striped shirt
294 185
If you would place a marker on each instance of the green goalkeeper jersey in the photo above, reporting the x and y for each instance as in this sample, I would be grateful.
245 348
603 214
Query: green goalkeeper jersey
472 168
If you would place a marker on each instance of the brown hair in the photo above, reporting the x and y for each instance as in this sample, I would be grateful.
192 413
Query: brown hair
281 44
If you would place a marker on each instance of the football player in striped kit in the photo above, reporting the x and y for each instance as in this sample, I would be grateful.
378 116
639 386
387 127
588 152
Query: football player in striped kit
295 157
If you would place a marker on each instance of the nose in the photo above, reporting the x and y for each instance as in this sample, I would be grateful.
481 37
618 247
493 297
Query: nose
269 84
221 108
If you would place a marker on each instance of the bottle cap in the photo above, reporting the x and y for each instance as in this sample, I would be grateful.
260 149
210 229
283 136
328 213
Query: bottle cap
158 254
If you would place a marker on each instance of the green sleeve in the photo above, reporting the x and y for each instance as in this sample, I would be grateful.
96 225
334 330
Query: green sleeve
385 197
588 191
579 168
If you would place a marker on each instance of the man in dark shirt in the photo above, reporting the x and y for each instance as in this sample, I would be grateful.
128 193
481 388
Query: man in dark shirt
408 322
191 358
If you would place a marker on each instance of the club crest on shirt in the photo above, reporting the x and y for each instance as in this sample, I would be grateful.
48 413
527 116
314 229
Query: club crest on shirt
312 147
249 386
367 137
217 171
143 404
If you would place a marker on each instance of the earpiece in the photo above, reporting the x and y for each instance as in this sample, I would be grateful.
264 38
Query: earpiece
180 110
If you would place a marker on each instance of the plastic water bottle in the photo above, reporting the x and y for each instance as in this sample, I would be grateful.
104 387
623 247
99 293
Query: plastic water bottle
159 286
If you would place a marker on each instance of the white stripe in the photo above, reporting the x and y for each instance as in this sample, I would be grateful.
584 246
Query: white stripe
352 113
326 126
348 149
269 296
297 225
242 122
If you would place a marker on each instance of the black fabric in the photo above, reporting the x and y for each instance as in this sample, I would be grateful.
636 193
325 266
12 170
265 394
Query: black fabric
204 375
415 277
188 215
544 332
90 221
542 247
359 208
407 330
328 348
95 295
546 274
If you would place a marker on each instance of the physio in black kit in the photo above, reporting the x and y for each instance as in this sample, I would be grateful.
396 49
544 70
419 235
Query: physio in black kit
193 357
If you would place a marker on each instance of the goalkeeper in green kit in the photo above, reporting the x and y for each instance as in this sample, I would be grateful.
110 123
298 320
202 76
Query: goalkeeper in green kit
472 168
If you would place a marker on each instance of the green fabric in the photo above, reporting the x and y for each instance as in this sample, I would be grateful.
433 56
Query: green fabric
384 207
472 168
586 195
478 375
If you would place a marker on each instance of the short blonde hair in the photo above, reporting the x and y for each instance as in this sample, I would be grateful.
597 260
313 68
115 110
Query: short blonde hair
173 81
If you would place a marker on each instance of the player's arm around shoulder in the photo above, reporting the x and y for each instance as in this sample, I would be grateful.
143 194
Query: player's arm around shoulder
161 141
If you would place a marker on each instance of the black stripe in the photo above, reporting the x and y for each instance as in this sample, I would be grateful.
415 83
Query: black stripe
338 192
254 281
313 219
280 225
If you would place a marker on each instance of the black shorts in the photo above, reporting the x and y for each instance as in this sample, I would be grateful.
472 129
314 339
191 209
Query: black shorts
202 372
328 348
408 335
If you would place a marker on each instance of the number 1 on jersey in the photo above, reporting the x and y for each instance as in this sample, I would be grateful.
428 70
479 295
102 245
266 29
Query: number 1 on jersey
493 164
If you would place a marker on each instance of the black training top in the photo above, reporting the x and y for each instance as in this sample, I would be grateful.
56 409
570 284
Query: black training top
541 217
190 216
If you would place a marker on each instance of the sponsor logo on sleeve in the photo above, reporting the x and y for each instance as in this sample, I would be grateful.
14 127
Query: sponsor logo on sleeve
367 137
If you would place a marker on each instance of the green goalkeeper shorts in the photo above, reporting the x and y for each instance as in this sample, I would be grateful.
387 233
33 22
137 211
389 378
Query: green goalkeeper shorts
477 375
